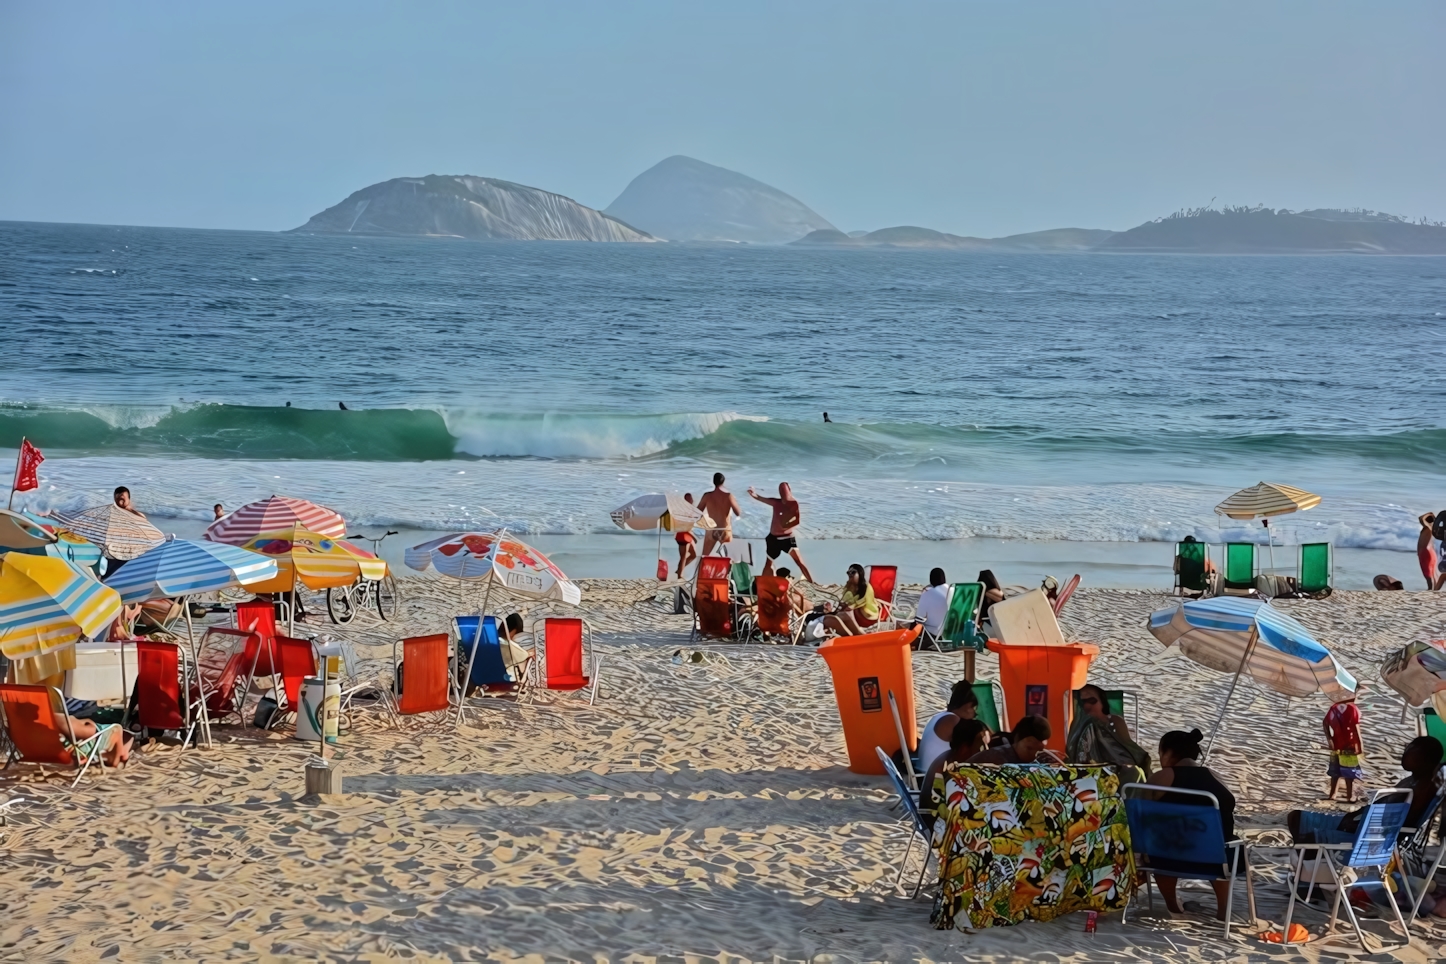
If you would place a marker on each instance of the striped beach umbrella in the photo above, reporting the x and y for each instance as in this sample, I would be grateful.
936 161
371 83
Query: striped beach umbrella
181 567
119 534
1266 499
314 560
19 532
274 515
47 604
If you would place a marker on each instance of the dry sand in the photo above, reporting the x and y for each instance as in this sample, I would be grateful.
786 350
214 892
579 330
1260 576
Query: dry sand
698 811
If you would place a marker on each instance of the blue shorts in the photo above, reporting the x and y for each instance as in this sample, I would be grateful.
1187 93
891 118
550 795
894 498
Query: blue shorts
1336 771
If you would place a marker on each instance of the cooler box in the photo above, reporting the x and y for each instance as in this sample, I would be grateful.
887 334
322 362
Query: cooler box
865 670
97 673
1040 681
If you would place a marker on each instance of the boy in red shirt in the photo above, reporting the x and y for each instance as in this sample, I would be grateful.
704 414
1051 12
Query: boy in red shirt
1343 735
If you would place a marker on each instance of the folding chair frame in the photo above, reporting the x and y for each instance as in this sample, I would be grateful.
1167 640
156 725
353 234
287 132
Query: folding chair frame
917 828
539 663
83 752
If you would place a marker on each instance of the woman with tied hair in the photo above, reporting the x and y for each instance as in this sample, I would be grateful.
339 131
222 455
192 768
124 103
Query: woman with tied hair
1180 767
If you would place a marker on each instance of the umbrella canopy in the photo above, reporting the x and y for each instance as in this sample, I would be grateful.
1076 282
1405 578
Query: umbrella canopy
47 604
665 509
1217 633
520 568
180 567
18 532
1417 671
273 515
1267 499
314 560
118 533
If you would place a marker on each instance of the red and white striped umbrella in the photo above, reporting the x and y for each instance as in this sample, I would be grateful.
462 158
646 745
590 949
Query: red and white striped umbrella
273 515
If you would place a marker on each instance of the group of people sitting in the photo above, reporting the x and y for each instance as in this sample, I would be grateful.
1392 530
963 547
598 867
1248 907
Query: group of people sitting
1099 737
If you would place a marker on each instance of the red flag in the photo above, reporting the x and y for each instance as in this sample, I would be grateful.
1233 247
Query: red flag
30 459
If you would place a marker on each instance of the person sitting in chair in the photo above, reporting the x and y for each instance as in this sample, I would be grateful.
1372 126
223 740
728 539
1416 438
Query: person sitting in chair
1026 745
966 741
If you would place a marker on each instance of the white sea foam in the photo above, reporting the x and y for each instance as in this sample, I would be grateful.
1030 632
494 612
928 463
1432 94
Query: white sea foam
561 436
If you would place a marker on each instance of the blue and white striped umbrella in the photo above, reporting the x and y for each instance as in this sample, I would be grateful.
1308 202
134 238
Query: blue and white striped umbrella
181 567
1217 632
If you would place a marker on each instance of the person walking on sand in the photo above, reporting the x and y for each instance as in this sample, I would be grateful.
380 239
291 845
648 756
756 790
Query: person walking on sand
1425 551
1343 735
782 536
719 505
687 551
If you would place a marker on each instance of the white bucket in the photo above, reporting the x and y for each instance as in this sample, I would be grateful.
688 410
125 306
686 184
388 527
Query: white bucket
308 721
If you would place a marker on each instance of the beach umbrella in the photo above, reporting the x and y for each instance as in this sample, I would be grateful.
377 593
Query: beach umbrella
659 510
1267 499
497 557
19 532
61 544
314 560
1418 672
1236 635
181 567
119 534
45 606
273 515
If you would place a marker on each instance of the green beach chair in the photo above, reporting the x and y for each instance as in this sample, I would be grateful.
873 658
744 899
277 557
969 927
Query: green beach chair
1190 570
1315 567
991 709
741 573
1115 704
961 623
1433 725
1240 565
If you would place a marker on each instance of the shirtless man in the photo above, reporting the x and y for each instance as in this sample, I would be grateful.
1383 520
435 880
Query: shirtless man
781 536
123 501
718 504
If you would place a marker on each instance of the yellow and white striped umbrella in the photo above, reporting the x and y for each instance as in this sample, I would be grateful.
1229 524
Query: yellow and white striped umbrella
1267 499
314 560
46 604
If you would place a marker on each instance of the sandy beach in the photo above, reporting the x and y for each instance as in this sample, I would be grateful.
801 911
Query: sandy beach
698 811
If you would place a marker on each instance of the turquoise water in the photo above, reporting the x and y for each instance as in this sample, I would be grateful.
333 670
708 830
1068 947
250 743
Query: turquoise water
1108 400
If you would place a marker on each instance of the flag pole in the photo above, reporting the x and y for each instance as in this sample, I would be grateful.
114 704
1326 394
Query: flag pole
16 479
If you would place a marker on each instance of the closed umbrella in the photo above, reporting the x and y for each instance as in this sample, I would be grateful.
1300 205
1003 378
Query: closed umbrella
181 567
1264 500
46 605
1238 635
119 534
272 515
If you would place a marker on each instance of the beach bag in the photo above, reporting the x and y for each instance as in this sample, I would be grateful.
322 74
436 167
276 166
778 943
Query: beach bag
1091 740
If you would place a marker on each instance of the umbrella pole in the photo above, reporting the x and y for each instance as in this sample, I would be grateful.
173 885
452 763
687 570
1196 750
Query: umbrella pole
476 645
1249 649
196 668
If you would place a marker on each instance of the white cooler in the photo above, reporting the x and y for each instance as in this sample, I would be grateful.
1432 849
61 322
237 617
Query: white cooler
97 673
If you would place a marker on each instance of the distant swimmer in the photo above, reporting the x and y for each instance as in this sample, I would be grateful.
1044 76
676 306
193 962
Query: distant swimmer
829 421
782 531
719 505
288 404
340 405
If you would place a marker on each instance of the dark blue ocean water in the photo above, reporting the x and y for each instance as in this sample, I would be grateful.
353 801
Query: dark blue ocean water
1085 397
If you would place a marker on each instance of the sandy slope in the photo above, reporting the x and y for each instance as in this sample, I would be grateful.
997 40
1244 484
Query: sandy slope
697 811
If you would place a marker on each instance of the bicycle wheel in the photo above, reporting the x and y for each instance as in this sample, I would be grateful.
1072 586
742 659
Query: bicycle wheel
340 605
388 597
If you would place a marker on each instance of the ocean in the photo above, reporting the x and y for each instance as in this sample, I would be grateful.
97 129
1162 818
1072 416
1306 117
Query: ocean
1033 412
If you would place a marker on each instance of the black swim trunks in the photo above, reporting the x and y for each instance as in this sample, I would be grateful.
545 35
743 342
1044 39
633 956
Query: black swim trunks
778 545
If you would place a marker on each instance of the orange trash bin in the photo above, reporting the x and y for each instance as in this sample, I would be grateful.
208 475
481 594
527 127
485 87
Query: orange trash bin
1038 680
866 669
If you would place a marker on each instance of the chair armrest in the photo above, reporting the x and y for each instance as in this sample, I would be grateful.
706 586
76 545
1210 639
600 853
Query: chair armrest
1317 846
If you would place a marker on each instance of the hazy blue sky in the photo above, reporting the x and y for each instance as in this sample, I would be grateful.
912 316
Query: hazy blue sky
977 118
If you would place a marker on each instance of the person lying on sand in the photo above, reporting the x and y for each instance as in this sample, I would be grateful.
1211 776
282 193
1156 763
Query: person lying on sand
1026 744
1180 767
966 740
858 609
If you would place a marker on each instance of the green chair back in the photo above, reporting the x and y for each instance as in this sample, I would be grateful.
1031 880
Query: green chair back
1435 726
742 575
1114 702
1192 566
964 600
989 708
1240 565
1315 567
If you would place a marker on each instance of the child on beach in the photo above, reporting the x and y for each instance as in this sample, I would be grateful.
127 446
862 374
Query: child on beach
1343 735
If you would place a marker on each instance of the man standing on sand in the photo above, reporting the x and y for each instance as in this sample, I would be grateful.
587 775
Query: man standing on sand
1425 551
719 505
684 539
781 531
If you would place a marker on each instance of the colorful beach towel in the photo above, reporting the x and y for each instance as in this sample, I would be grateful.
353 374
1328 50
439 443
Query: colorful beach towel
1022 843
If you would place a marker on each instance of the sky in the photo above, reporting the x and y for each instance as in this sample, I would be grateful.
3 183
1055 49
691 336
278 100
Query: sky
975 118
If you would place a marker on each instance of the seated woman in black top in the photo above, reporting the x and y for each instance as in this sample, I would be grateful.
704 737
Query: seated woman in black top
1179 767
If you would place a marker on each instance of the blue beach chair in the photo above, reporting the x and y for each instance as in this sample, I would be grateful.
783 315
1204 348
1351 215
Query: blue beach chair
917 829
481 660
1184 840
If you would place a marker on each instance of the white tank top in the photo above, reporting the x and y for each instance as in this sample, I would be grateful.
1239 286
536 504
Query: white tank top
931 747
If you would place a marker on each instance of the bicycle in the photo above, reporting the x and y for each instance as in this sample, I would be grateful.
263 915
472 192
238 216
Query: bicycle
344 602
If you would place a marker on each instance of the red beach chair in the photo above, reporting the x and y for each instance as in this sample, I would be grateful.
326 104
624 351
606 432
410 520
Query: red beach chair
298 661
562 649
426 686
1065 593
224 656
259 617
158 688
884 579
39 730
714 567
713 608
775 615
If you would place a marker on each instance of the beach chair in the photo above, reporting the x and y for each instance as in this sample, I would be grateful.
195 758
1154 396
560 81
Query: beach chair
426 686
713 613
992 709
917 828
158 690
1065 593
39 730
1115 703
884 580
1429 724
741 575
774 613
488 670
1413 843
714 567
222 664
1373 849
298 661
961 621
1190 575
1240 567
563 657
259 616
1314 573
1185 841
